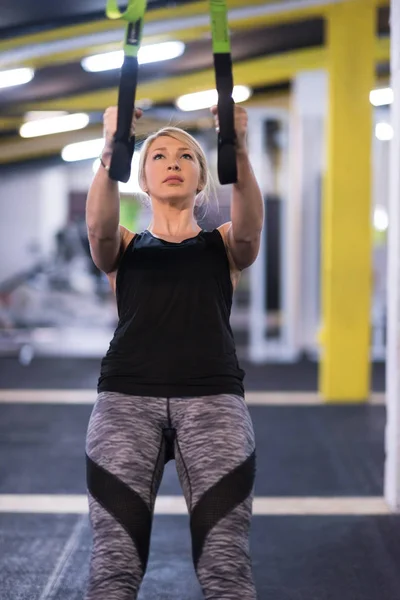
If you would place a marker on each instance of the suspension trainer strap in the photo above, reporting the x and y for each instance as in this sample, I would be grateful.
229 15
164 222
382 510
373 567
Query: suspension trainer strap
124 142
227 170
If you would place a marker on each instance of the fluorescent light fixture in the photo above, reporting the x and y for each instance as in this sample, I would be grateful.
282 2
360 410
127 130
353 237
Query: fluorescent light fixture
241 93
381 219
146 54
103 62
208 98
131 186
158 52
82 150
35 115
382 97
15 77
384 132
52 125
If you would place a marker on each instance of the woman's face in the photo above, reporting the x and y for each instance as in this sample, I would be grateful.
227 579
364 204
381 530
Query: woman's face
172 170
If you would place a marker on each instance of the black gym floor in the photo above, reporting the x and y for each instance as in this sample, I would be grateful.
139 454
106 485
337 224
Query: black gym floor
331 452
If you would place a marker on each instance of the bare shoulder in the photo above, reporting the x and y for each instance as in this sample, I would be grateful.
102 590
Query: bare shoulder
242 253
235 272
126 238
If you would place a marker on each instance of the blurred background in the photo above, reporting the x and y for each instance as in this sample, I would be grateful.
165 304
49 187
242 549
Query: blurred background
310 317
52 298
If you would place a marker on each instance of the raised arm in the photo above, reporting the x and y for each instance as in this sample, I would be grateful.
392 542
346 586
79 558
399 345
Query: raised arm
243 232
103 205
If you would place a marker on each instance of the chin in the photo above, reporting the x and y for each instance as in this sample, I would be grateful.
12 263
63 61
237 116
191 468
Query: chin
176 195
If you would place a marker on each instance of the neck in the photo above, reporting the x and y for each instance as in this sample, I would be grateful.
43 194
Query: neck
173 223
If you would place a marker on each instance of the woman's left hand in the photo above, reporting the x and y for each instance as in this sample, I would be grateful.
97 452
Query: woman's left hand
241 120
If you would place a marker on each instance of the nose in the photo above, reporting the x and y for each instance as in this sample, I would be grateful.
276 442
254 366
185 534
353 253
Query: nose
174 166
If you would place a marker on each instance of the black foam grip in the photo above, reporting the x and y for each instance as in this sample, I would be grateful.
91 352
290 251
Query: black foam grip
121 161
227 169
124 143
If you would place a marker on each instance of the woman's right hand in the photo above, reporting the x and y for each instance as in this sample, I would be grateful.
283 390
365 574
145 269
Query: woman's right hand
110 125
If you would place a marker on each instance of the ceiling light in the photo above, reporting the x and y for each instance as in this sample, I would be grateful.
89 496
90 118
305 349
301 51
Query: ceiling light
52 125
158 52
34 115
209 98
103 62
15 77
381 218
82 150
384 132
146 54
382 97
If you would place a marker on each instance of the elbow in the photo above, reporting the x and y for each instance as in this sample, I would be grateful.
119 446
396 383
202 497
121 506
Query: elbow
251 237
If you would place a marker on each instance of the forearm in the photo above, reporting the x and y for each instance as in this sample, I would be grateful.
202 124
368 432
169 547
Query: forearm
247 206
103 203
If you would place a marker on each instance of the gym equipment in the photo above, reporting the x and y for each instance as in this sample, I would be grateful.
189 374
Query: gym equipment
124 142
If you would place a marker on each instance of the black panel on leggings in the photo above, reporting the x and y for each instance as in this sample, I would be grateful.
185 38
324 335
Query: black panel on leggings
126 506
217 502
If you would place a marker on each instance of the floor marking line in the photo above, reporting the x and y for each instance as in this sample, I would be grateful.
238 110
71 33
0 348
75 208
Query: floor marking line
176 505
55 578
85 396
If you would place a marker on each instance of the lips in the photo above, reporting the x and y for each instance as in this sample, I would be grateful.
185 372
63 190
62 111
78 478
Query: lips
175 179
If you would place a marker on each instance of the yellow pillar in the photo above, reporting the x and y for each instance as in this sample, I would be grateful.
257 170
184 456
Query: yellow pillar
346 222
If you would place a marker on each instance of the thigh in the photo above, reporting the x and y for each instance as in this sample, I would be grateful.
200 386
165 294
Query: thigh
124 440
214 444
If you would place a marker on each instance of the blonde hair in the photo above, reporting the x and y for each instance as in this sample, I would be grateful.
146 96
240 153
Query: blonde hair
206 183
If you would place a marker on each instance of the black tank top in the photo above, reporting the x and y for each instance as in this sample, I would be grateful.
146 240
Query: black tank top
173 337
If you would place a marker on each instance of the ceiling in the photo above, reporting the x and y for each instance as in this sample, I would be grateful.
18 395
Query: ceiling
270 40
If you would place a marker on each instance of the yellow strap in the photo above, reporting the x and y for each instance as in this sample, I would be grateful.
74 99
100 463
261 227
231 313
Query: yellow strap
134 11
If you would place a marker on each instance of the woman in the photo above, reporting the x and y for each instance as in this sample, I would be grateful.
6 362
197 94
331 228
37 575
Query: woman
170 385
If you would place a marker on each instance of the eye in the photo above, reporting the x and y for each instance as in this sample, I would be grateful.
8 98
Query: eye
189 155
157 155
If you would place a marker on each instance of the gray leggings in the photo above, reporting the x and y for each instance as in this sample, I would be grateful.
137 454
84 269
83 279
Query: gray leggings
129 440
